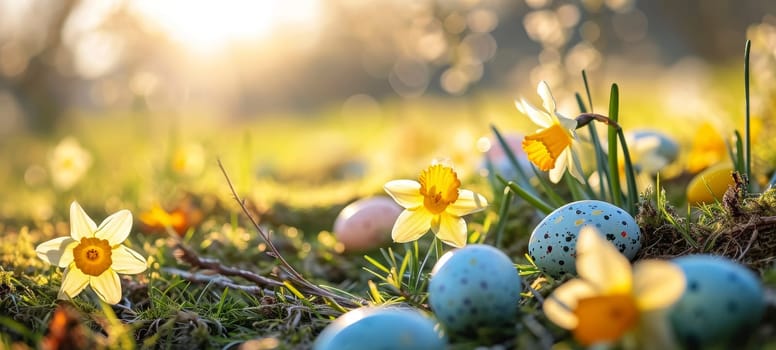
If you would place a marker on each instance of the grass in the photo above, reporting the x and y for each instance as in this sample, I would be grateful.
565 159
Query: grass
218 284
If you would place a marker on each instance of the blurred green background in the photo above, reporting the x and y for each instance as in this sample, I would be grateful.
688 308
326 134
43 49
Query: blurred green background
310 102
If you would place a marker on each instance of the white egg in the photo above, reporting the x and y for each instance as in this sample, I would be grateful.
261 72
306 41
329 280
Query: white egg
553 242
366 223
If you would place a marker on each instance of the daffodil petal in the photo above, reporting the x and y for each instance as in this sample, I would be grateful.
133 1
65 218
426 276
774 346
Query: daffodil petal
405 192
115 228
127 261
657 284
567 123
107 286
556 173
411 225
548 101
559 306
468 202
81 225
73 282
539 118
575 169
451 230
601 264
56 252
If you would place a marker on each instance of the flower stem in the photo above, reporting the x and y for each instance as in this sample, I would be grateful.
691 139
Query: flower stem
536 202
748 174
630 176
522 178
614 176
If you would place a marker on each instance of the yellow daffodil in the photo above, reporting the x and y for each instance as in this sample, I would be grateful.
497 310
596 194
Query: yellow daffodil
550 148
433 202
93 255
610 301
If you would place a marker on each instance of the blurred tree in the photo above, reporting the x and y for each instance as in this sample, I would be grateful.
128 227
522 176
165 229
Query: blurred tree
38 88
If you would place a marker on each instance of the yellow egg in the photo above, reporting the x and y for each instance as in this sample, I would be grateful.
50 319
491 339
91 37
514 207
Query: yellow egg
710 185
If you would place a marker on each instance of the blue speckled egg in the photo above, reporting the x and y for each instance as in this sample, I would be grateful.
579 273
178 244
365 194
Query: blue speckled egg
722 303
384 328
475 286
553 242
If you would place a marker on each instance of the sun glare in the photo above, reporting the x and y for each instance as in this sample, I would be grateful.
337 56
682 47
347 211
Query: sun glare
208 25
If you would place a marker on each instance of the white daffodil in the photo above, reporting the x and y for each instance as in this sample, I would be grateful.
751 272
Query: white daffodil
610 302
68 163
550 148
433 202
93 255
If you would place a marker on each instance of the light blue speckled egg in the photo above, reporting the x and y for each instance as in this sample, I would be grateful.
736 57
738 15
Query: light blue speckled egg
384 328
475 286
553 242
722 303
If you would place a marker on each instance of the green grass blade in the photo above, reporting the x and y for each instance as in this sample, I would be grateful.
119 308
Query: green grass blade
573 186
553 196
536 202
376 264
737 156
747 135
630 176
600 155
614 171
522 178
407 262
506 202
587 90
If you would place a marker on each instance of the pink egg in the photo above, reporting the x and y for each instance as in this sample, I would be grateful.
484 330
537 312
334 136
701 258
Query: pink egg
500 161
513 140
366 223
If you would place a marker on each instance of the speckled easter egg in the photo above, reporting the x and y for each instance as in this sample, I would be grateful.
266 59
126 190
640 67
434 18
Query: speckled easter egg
366 223
710 185
553 242
722 303
381 328
474 286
